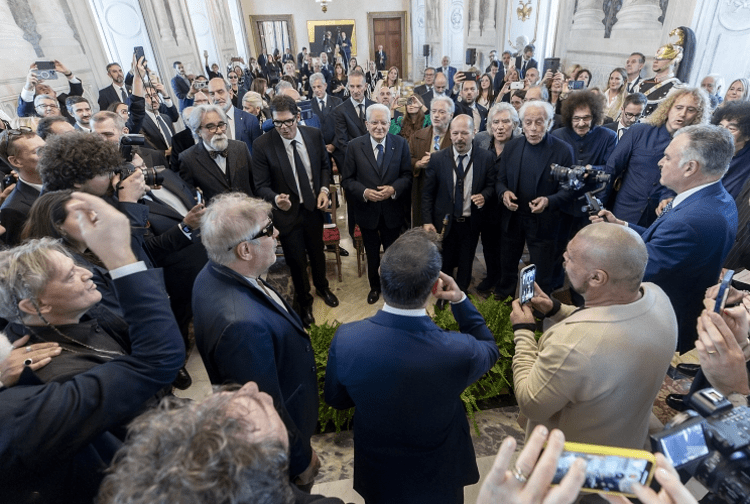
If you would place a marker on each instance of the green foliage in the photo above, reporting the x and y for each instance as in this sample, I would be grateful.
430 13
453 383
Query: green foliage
498 380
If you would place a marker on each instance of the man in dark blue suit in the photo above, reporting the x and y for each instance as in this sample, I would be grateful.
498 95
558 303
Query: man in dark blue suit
245 331
181 85
411 443
241 125
447 70
687 244
458 182
322 106
526 61
377 173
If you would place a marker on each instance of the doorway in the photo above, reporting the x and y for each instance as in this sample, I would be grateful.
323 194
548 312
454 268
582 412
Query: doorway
388 29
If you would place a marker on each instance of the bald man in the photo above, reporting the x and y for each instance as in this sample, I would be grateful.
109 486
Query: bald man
596 372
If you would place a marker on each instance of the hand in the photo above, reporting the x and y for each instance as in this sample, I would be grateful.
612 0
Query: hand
735 296
548 75
40 354
330 148
606 216
478 200
160 89
193 217
446 288
205 53
60 68
521 314
541 301
6 192
308 476
663 203
502 486
721 358
372 195
322 200
505 89
132 188
508 199
422 163
459 77
105 230
672 490
387 191
538 205
283 203
31 79
429 227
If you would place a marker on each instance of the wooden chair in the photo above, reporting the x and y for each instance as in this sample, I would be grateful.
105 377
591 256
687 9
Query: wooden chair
331 234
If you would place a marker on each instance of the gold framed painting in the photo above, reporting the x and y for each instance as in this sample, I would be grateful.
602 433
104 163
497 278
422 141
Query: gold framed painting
328 35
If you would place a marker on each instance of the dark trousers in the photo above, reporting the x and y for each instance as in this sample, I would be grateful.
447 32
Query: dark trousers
459 247
491 234
524 229
372 240
303 240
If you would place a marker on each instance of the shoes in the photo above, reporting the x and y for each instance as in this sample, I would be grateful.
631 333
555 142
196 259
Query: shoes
676 402
342 251
441 304
373 296
689 370
183 380
307 317
328 296
486 285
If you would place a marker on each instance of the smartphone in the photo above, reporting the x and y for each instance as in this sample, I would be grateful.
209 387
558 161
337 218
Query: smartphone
551 64
721 297
526 287
198 195
517 85
45 70
138 50
609 470
576 84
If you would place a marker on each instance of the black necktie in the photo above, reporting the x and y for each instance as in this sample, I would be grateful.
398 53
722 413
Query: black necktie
215 153
308 200
321 104
124 95
380 157
362 113
164 127
458 204
523 70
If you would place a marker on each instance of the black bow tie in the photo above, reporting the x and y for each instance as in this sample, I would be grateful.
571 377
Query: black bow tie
215 153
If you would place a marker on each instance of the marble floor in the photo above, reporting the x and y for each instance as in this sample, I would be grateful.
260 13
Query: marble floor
336 450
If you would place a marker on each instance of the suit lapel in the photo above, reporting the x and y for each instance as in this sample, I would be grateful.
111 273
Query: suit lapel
290 314
211 166
286 167
388 155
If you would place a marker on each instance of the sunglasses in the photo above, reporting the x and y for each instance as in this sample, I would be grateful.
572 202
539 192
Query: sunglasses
266 231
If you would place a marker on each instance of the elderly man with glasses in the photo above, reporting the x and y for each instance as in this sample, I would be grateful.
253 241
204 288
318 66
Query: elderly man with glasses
216 164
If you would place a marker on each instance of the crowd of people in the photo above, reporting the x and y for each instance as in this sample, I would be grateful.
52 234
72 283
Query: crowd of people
164 208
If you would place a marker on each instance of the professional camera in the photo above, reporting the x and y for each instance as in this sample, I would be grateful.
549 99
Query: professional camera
575 177
126 145
152 176
711 444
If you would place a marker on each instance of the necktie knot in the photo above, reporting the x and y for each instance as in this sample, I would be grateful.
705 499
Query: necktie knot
214 154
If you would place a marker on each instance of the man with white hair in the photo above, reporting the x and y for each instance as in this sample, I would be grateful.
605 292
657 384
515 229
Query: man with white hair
532 200
713 84
322 106
215 164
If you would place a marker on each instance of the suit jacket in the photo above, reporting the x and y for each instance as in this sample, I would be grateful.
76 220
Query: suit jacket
421 89
611 125
328 124
428 96
381 60
404 435
509 174
109 95
273 173
686 248
199 170
361 172
181 89
244 336
439 187
451 72
151 131
348 126
57 440
181 142
463 108
14 211
246 127
531 64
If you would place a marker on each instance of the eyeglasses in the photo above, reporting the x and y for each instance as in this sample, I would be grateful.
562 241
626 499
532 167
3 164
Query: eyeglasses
583 119
288 122
266 231
232 76
213 128
630 116
48 106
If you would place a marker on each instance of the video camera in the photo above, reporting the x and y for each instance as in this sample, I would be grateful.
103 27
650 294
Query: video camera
152 176
712 444
576 177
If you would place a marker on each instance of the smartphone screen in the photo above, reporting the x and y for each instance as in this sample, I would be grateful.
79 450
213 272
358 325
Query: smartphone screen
578 84
138 50
608 470
526 289
721 297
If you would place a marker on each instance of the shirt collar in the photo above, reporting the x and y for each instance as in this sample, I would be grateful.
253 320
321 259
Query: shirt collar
686 194
456 153
357 104
414 312
297 137
375 142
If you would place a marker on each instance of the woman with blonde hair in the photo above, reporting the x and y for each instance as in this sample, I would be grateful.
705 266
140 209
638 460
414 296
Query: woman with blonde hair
615 93
391 80
738 90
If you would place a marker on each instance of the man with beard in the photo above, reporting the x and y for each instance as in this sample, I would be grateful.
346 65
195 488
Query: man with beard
80 108
215 164
160 114
240 124
118 91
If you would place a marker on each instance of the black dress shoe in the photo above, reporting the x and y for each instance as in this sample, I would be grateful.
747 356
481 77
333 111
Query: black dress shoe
441 304
329 297
688 369
183 380
676 402
486 285
373 297
307 317
343 252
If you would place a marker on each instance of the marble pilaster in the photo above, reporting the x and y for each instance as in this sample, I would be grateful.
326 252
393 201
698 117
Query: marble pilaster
589 17
178 19
57 38
162 21
474 32
488 26
17 50
638 15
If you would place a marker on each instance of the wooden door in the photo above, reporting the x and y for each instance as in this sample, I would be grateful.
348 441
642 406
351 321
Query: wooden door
387 32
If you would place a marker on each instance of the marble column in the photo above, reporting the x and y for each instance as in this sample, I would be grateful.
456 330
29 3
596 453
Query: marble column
589 17
178 18
637 15
162 21
488 27
474 32
57 38
17 51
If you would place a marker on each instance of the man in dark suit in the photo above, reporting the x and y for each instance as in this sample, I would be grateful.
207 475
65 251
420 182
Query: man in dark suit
118 91
377 173
467 104
687 244
526 61
499 80
447 70
299 194
160 114
301 57
349 117
632 110
323 105
440 88
401 458
244 329
381 58
181 85
20 150
531 196
458 182
80 109
240 125
215 164
429 80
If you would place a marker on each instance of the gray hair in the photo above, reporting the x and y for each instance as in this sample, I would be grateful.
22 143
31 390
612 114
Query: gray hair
282 85
543 92
377 106
549 112
229 219
409 268
444 99
712 147
316 77
102 116
502 107
197 115
25 271
253 98
718 82
186 113
39 98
